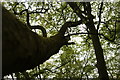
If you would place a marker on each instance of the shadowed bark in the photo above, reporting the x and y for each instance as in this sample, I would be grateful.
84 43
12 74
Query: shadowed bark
24 49
88 21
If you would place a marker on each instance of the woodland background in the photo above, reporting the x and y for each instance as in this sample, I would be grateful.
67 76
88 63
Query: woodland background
79 60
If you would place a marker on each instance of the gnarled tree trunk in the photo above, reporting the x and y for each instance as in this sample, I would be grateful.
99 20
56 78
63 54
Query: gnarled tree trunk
24 49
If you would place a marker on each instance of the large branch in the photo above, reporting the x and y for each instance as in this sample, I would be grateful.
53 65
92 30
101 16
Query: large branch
22 49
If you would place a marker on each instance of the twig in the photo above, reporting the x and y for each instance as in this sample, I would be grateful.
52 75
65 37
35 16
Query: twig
106 38
68 24
77 10
100 11
41 28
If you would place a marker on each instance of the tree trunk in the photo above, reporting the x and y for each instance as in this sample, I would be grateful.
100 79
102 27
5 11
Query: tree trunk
101 65
24 49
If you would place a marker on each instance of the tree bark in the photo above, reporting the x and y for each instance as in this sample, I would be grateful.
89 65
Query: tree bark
101 65
23 49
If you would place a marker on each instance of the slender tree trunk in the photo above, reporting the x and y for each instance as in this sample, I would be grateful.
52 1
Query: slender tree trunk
101 65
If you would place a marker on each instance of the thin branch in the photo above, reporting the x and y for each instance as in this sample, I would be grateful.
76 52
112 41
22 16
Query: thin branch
115 27
77 10
68 24
39 11
41 28
32 12
27 19
106 38
39 72
100 12
53 71
84 33
88 8
16 3
12 76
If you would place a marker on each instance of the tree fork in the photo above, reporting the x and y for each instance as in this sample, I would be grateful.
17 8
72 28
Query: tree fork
101 65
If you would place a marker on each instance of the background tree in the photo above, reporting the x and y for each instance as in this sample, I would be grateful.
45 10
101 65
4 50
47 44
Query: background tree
78 61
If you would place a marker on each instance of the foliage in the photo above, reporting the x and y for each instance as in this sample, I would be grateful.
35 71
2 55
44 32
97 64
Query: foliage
75 61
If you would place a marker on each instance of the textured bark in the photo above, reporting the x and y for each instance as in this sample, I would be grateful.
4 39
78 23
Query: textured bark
24 49
101 65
